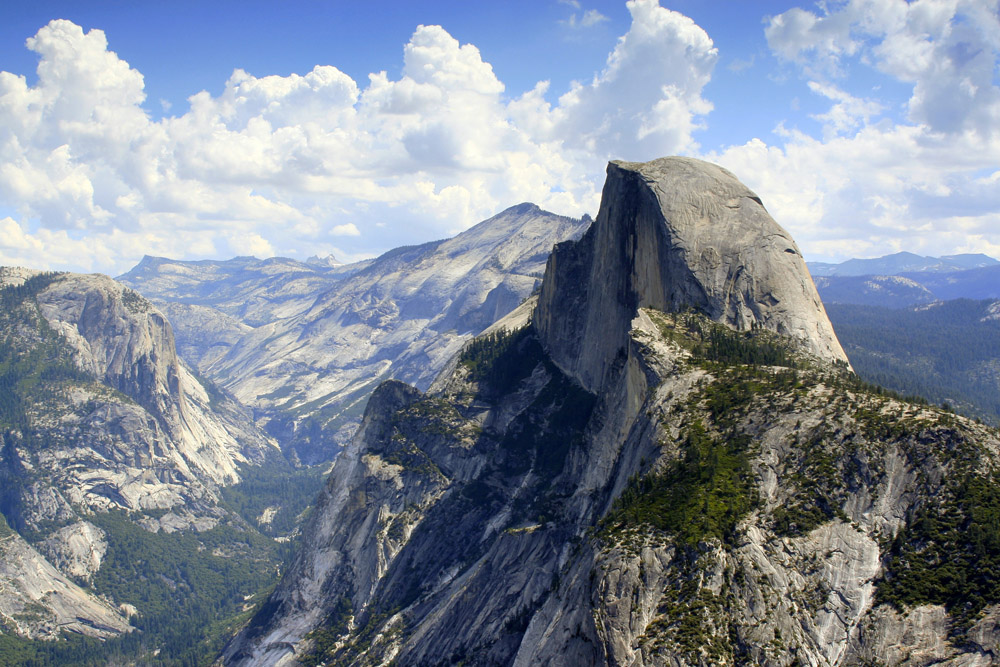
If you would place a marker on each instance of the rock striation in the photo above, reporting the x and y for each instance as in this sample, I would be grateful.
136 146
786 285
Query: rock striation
708 487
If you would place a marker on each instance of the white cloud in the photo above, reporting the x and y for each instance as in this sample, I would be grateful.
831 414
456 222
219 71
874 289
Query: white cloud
872 186
588 19
946 48
592 17
645 102
847 114
348 229
288 164
284 164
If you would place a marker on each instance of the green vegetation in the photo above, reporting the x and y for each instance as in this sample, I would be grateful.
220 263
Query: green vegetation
688 621
12 296
189 587
705 492
35 365
33 356
945 352
818 483
328 649
503 359
216 396
327 637
756 347
192 591
134 302
712 344
949 552
275 484
701 496
73 650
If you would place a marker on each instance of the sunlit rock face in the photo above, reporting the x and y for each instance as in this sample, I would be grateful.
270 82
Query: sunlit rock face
671 234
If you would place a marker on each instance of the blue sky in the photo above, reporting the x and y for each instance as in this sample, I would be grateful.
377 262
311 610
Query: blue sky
193 129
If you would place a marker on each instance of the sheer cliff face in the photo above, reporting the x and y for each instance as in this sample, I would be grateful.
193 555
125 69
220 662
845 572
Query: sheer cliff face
671 234
120 339
688 494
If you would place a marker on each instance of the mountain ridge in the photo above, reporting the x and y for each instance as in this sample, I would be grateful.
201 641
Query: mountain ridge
308 369
902 262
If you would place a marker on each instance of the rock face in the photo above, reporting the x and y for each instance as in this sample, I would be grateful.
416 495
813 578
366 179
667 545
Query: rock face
675 233
688 494
99 414
308 361
39 601
123 341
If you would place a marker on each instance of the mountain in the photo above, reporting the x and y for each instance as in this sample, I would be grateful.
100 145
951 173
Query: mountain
911 288
314 342
978 283
253 291
886 291
902 262
665 462
946 351
121 472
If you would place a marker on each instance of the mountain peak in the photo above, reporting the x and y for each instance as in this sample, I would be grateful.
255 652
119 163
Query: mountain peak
671 234
521 209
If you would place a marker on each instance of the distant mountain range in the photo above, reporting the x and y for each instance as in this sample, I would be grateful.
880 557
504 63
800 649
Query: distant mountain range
905 279
901 262
947 352
924 326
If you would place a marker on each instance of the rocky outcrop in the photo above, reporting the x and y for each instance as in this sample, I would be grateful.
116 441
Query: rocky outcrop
39 601
122 340
671 234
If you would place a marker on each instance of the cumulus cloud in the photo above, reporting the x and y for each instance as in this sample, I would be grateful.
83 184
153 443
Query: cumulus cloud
588 19
645 103
317 161
871 185
286 164
947 49
847 114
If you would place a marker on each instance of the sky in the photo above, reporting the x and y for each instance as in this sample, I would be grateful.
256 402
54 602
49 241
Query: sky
197 130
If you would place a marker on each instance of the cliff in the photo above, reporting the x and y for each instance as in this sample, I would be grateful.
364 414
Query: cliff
671 234
684 474
313 342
